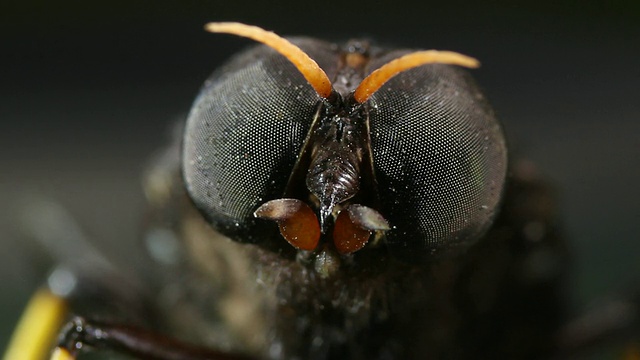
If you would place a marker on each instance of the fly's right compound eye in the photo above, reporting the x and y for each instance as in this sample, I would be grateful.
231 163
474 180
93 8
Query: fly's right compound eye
401 147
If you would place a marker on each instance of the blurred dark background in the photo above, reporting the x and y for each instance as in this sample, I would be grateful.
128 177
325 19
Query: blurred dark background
89 91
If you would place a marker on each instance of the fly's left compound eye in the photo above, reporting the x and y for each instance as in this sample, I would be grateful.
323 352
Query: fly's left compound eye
398 145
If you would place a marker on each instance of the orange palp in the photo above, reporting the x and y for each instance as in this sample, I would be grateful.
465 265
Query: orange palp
376 79
347 236
297 222
354 227
307 66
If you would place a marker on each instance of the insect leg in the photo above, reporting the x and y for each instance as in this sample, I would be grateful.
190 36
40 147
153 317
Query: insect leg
37 329
80 333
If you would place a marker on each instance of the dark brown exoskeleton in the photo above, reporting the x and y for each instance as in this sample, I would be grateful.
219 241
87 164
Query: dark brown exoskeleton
386 173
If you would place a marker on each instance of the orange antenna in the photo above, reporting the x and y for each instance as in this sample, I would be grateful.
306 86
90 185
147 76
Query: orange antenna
307 66
376 79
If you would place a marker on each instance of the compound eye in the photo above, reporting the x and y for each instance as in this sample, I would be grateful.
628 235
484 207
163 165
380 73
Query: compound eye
297 222
354 227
